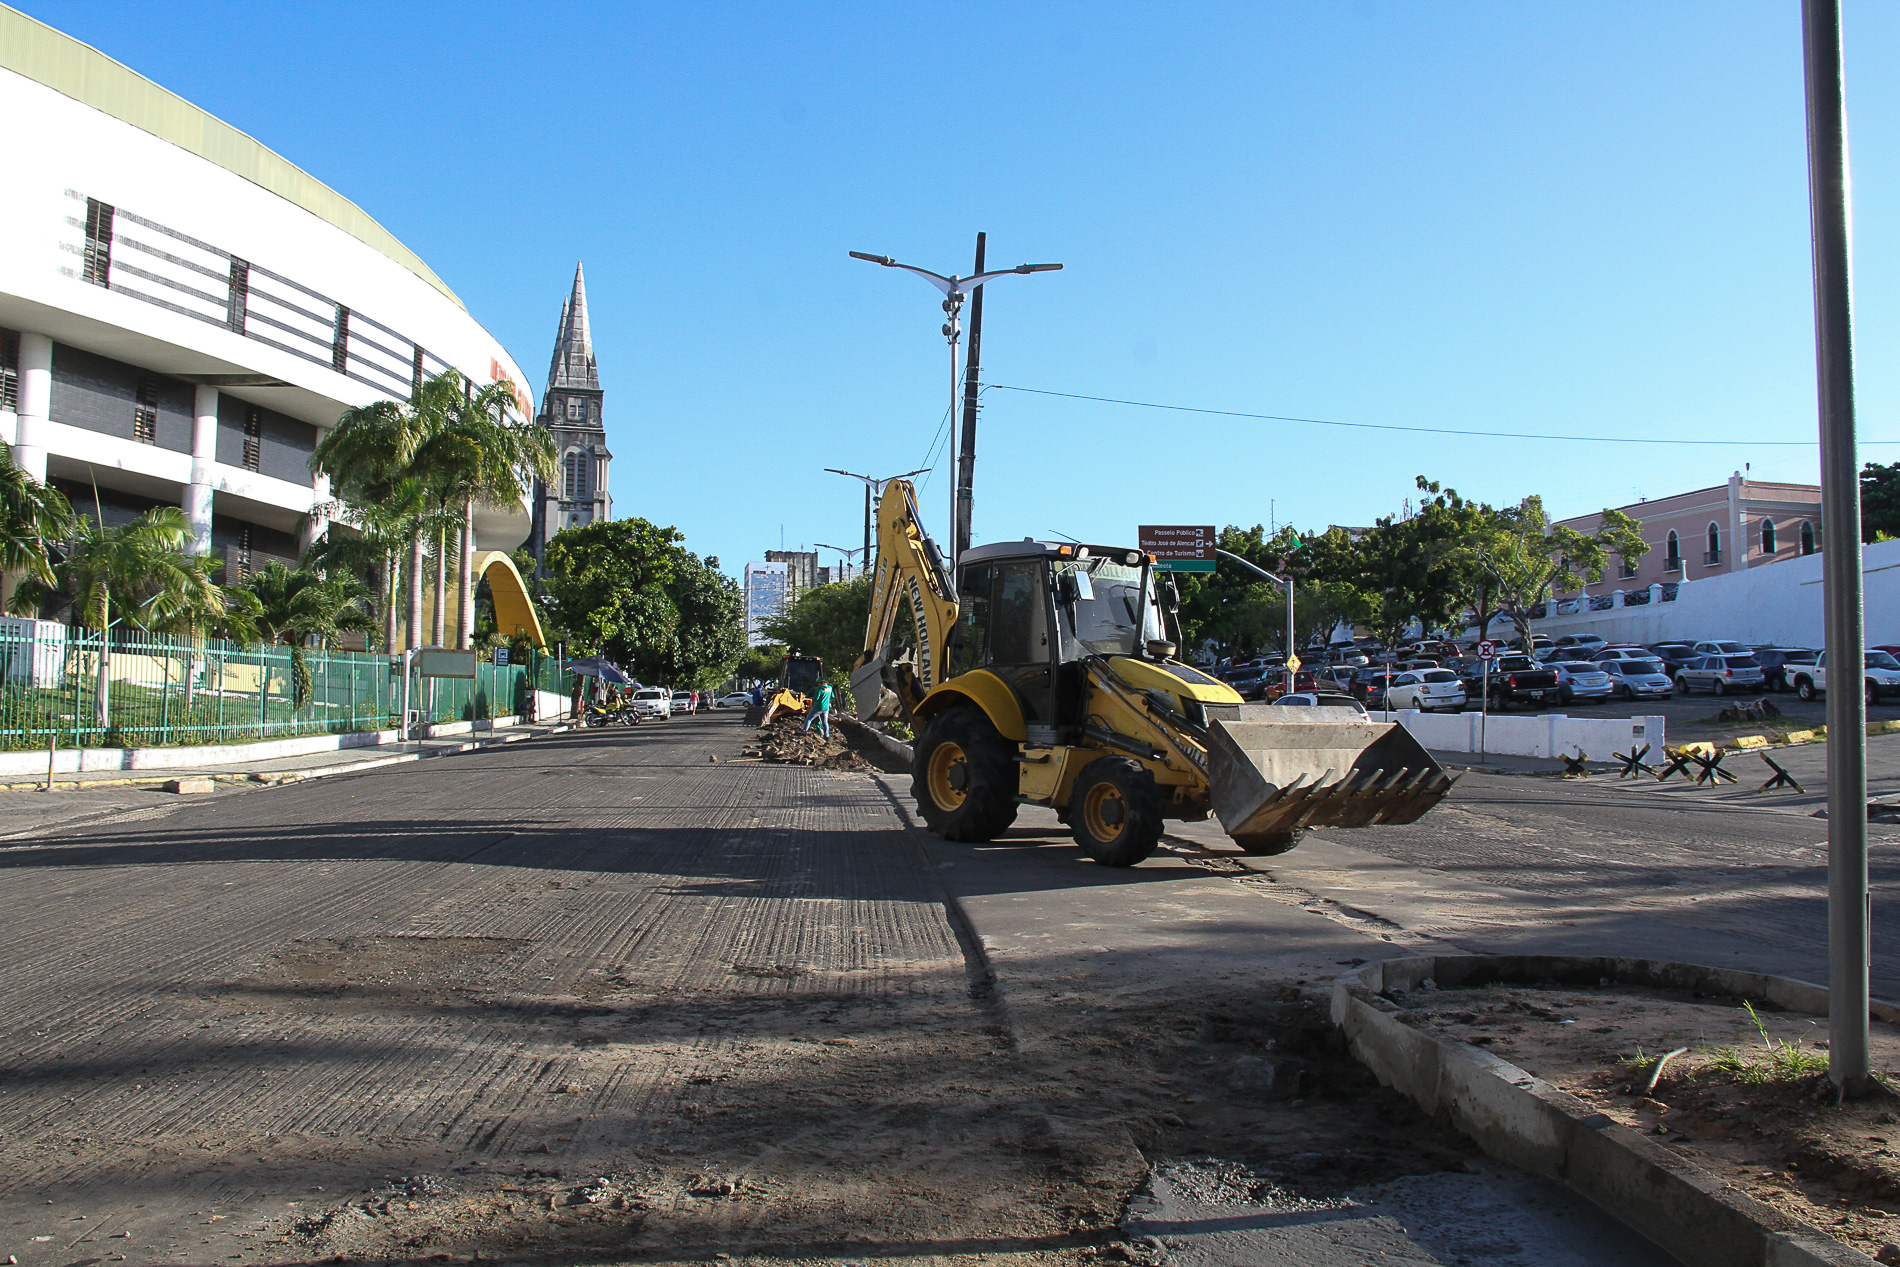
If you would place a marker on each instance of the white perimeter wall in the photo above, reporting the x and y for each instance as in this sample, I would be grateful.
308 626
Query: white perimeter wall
1518 735
1776 603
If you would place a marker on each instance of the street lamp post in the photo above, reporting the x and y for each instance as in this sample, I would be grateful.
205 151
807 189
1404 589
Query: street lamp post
954 289
848 554
873 488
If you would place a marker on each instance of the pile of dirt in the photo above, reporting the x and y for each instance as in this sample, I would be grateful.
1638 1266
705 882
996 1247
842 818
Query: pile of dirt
1748 1101
787 742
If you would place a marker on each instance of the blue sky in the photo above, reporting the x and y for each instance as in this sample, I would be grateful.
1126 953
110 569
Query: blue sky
1547 218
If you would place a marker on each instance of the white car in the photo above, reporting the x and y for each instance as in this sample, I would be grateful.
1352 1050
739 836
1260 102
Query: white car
683 702
1428 690
652 701
1881 677
1723 648
1318 699
738 699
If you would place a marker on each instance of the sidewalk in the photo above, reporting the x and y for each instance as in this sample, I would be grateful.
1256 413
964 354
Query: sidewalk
94 794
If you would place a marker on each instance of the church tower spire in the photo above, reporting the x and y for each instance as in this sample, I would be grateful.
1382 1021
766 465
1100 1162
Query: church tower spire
571 411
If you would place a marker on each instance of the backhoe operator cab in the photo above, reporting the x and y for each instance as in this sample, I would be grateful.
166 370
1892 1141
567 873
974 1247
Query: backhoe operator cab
1053 682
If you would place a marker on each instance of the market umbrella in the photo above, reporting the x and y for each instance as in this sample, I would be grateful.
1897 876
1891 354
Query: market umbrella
600 667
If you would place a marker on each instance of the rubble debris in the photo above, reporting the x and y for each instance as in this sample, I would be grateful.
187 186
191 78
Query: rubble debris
787 742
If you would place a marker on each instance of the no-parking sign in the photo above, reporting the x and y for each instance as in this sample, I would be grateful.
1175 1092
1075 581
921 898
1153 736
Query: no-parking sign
1487 650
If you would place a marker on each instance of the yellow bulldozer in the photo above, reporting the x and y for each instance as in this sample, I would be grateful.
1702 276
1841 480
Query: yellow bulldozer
1043 674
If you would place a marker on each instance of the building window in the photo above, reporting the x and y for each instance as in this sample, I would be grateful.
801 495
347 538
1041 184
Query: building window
237 309
1628 571
576 410
1767 536
574 477
9 372
340 341
98 242
1807 537
415 373
238 558
1713 555
1672 561
145 410
253 439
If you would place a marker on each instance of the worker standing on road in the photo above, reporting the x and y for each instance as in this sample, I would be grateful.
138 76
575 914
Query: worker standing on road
821 711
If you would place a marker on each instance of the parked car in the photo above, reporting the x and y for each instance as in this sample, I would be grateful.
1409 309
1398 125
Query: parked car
1673 654
1777 662
1638 679
738 699
1721 674
1722 648
1369 683
684 702
1275 683
652 701
1428 690
1319 699
1581 681
1623 651
1584 645
1881 678
1515 679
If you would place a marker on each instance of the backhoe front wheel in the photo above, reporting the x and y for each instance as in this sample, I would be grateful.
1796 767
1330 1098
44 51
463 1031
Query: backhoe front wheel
1115 811
963 775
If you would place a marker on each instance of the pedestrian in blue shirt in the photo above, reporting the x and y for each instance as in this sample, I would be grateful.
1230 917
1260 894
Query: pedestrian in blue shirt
821 711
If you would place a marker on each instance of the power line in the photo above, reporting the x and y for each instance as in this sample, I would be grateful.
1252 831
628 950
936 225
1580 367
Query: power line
1430 431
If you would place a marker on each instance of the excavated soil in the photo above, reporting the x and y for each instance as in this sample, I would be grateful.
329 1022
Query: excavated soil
787 742
1774 1134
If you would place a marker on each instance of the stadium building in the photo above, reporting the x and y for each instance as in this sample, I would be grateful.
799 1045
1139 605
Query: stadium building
183 312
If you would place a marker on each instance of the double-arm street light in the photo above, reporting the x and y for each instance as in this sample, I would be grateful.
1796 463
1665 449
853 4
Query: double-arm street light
848 554
955 289
873 489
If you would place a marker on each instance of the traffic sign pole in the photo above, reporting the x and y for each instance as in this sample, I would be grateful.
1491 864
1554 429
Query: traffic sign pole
1487 652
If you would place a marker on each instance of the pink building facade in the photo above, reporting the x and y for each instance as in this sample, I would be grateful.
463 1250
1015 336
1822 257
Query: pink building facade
1742 524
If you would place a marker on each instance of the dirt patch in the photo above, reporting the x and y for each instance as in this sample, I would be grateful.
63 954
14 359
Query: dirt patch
787 742
1749 1100
821 1127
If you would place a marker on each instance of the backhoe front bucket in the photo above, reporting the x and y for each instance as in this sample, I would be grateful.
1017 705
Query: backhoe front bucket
785 703
1278 770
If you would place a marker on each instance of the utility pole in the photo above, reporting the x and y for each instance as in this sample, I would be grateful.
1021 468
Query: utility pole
1848 914
966 454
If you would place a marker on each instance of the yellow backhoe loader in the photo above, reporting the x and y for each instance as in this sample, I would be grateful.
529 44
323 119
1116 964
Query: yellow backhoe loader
798 680
1042 674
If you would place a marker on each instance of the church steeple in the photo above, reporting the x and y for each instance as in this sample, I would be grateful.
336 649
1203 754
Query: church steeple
573 346
571 411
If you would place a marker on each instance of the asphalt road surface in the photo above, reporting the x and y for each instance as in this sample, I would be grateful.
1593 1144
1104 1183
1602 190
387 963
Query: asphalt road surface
603 997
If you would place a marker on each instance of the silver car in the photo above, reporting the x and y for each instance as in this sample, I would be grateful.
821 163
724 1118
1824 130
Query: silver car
1581 681
1638 679
1721 674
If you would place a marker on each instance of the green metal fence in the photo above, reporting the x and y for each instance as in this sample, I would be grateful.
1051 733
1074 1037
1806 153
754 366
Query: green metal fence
77 688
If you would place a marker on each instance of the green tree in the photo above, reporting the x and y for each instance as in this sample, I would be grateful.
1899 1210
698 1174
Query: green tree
826 621
1528 558
1879 502
369 456
760 663
628 589
32 517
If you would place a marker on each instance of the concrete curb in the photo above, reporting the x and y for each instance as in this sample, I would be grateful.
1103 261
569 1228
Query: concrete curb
1528 1123
273 778
897 752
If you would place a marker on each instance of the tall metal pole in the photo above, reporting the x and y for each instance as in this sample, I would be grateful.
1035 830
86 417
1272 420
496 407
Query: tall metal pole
1849 916
867 525
972 367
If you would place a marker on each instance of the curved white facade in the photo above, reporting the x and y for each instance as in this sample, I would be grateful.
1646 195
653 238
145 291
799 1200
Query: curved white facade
182 312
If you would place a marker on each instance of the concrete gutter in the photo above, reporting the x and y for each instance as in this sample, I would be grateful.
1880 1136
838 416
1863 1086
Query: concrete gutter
1526 1122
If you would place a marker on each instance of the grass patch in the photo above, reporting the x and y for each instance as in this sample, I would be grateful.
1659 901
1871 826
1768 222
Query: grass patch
1778 1060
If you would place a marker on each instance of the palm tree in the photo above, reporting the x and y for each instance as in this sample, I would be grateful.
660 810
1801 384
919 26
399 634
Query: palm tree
481 455
296 607
145 568
370 457
32 516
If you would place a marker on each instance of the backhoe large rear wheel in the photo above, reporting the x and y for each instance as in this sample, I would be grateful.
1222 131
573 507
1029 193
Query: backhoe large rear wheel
1115 811
963 775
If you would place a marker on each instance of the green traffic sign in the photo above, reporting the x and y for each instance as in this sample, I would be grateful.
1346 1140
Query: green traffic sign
1184 565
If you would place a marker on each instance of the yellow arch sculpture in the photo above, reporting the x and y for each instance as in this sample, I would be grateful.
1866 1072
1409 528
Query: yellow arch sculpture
514 610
